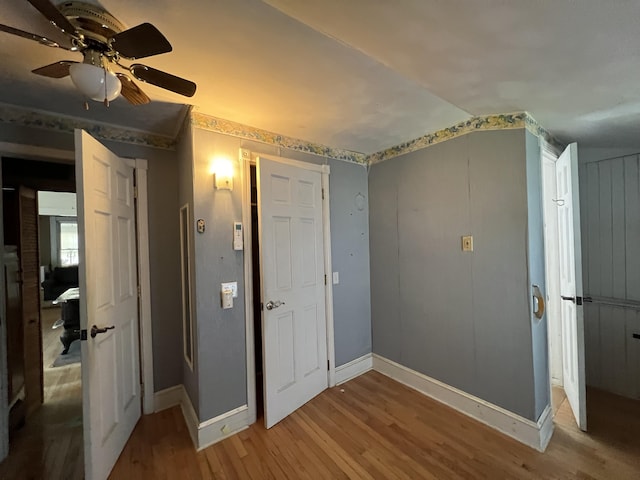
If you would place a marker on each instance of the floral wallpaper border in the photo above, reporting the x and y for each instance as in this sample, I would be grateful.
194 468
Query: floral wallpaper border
50 121
60 123
227 127
505 121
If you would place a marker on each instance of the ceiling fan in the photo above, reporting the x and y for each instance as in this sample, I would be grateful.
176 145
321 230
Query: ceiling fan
104 42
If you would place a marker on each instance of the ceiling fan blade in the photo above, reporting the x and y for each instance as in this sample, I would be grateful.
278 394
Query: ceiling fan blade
163 79
142 41
49 10
55 70
131 91
32 36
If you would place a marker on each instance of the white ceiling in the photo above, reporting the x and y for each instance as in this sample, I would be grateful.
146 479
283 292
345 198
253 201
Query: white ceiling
364 74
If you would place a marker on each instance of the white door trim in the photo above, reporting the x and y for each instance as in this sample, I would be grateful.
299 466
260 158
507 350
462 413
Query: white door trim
4 380
144 280
245 177
551 247
247 158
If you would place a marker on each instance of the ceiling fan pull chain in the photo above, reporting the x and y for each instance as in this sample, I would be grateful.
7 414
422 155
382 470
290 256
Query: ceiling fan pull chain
106 100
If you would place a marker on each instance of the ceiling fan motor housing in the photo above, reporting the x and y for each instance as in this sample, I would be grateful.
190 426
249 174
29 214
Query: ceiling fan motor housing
93 23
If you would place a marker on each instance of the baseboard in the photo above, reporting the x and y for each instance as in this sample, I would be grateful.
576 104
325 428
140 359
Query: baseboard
167 398
204 434
354 368
223 426
534 434
190 417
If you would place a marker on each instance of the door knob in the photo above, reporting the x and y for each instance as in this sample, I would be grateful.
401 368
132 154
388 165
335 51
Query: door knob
95 330
271 305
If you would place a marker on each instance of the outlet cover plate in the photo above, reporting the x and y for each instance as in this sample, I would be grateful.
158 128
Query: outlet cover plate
233 286
467 243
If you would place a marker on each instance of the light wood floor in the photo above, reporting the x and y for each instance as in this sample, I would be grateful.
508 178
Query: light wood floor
373 427
50 445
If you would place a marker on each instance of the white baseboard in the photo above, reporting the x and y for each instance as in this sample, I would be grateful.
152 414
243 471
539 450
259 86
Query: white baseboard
167 398
354 368
206 433
223 426
534 434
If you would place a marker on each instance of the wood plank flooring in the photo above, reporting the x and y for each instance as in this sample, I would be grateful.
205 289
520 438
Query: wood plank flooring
50 445
373 427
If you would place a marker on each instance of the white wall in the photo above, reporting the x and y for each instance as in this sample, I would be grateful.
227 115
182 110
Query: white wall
57 204
610 217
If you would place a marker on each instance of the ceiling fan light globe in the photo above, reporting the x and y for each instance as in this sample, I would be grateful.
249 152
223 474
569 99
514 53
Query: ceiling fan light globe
90 80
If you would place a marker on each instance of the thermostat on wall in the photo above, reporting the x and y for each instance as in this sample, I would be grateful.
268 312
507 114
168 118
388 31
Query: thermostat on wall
237 236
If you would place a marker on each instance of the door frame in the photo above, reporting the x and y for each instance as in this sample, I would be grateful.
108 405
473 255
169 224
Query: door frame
246 159
32 152
549 154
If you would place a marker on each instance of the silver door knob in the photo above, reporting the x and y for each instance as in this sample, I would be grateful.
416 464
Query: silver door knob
271 305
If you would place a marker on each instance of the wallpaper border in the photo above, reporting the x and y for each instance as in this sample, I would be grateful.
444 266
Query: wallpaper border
50 121
228 127
505 121
64 124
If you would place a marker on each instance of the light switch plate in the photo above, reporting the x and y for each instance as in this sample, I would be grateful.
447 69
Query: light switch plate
336 278
467 243
233 286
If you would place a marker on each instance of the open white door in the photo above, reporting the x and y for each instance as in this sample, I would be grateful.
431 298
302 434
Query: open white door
294 324
108 298
568 201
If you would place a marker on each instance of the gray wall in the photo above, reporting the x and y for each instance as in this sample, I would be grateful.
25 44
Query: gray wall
221 333
163 241
350 258
184 152
460 317
540 344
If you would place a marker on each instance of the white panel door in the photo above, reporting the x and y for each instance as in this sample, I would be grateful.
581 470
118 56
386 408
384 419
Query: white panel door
573 369
293 316
108 298
554 303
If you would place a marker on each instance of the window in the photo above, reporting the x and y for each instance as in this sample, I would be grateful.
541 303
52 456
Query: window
67 242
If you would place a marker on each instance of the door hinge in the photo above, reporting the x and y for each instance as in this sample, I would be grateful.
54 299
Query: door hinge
135 191
139 291
322 193
325 279
328 365
83 334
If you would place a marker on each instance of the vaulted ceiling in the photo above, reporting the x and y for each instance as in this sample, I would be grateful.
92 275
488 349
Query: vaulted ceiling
363 75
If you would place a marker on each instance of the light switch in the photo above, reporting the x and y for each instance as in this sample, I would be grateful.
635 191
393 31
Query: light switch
226 299
336 278
467 243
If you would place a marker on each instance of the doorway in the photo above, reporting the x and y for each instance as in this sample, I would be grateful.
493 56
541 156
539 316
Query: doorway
554 325
256 289
289 338
46 438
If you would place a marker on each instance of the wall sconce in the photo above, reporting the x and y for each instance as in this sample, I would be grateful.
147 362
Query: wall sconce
222 170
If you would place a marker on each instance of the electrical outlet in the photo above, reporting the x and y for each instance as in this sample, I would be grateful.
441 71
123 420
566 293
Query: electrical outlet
467 243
